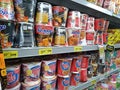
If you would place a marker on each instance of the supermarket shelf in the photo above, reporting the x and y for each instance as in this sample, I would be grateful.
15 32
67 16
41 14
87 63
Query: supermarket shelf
85 7
93 80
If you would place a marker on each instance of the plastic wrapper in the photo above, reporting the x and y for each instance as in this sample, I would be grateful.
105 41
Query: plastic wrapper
90 71
49 68
24 35
73 36
90 24
15 88
84 18
44 14
106 4
63 83
13 76
83 75
7 33
25 12
44 35
63 66
90 35
60 37
31 71
82 39
59 16
73 20
6 10
99 38
49 83
18 2
85 61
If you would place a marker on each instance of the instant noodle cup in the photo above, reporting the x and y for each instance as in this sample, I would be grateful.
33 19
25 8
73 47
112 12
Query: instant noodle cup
31 71
33 85
13 76
84 18
63 66
90 35
75 79
15 88
44 14
6 10
76 64
60 36
63 83
83 75
7 30
49 68
44 35
85 61
73 36
90 24
18 2
49 83
73 20
59 16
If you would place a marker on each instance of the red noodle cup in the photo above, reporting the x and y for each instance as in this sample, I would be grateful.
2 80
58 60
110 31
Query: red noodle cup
106 26
33 85
84 18
15 88
49 83
44 14
83 75
73 20
90 37
13 76
63 66
31 71
49 68
75 78
105 35
90 24
59 16
63 83
76 64
85 61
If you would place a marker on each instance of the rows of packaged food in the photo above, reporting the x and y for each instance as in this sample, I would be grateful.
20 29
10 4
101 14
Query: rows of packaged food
112 5
67 70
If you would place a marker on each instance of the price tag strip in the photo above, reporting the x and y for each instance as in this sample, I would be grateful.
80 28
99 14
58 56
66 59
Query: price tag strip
10 54
45 51
77 48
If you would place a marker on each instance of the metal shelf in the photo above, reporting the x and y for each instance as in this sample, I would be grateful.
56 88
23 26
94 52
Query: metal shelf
93 80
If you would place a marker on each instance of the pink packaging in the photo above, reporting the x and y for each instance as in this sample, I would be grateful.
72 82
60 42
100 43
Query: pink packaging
83 22
90 35
49 83
13 76
33 85
90 24
63 66
73 20
106 4
15 88
49 68
31 71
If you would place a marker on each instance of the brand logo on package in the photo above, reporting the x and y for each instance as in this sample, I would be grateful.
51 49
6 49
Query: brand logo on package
78 63
2 27
52 68
66 82
65 65
35 72
77 77
76 32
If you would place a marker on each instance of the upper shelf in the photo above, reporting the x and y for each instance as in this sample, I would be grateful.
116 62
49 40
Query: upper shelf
85 7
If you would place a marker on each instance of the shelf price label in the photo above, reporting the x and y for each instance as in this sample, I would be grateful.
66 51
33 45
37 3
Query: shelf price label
93 82
77 48
45 51
10 54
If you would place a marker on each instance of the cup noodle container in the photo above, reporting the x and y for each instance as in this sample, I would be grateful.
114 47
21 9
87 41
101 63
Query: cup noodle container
6 10
63 66
44 35
73 36
74 79
31 71
13 76
85 61
15 88
90 24
83 75
63 83
84 18
44 14
49 83
76 64
73 20
33 85
99 38
90 35
59 16
49 68
106 4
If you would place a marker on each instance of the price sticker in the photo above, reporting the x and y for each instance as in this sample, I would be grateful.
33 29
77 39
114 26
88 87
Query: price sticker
77 48
3 72
2 62
45 51
93 82
10 54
